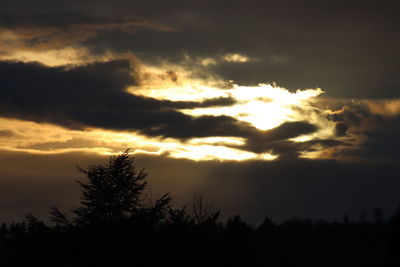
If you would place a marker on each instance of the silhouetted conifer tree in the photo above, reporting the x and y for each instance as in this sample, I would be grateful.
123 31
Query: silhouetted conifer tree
59 219
112 191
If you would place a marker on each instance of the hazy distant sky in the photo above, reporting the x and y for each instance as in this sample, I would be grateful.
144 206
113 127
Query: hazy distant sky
278 108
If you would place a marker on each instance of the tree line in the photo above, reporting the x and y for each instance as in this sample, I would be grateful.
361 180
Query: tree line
118 224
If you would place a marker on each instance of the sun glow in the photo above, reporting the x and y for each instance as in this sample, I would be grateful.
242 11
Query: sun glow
264 106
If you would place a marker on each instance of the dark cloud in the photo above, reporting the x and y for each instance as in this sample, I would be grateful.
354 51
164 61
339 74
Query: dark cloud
375 135
276 140
347 48
341 129
95 95
203 126
325 143
55 30
289 130
64 21
380 137
351 113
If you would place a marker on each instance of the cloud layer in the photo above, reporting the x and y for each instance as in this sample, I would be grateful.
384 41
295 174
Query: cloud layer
349 49
94 96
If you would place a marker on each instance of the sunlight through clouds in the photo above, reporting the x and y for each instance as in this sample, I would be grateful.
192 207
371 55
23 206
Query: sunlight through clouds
264 106
46 139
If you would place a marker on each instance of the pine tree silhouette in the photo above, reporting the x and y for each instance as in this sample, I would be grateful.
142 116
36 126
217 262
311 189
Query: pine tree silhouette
113 190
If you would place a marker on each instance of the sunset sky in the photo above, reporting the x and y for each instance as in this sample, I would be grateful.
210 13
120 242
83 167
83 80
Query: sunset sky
278 108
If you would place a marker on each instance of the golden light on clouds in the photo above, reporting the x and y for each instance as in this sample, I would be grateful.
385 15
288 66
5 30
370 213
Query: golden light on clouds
384 107
265 107
33 137
53 57
235 57
59 57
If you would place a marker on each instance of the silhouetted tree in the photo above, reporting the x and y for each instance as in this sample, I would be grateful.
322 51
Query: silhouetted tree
59 219
363 215
266 226
35 225
346 219
378 215
112 191
116 224
4 232
203 213
237 227
394 236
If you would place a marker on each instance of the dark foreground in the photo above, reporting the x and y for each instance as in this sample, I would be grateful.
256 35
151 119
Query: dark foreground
117 225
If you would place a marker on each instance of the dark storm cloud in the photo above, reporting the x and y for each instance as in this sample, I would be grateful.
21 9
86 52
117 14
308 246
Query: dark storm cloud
276 140
95 95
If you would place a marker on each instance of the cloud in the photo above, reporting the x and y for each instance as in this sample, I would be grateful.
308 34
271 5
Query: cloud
292 50
341 129
380 139
298 45
6 133
231 57
279 141
95 95
276 140
349 51
353 113
57 30
371 126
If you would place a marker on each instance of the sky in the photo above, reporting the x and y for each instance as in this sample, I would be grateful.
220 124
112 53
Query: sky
267 108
